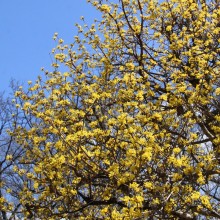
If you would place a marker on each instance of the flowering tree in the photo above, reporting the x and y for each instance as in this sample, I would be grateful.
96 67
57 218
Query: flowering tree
131 129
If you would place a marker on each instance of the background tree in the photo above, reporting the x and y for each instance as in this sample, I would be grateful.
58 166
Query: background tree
10 155
131 129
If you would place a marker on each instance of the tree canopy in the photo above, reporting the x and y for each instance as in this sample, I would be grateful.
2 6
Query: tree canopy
127 126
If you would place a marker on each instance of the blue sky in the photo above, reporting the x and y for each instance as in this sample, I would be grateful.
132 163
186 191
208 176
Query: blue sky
26 31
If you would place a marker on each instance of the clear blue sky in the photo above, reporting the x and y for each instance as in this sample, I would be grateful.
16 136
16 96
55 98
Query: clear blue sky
26 31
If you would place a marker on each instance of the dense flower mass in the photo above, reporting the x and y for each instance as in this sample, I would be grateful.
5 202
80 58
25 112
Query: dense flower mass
131 128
